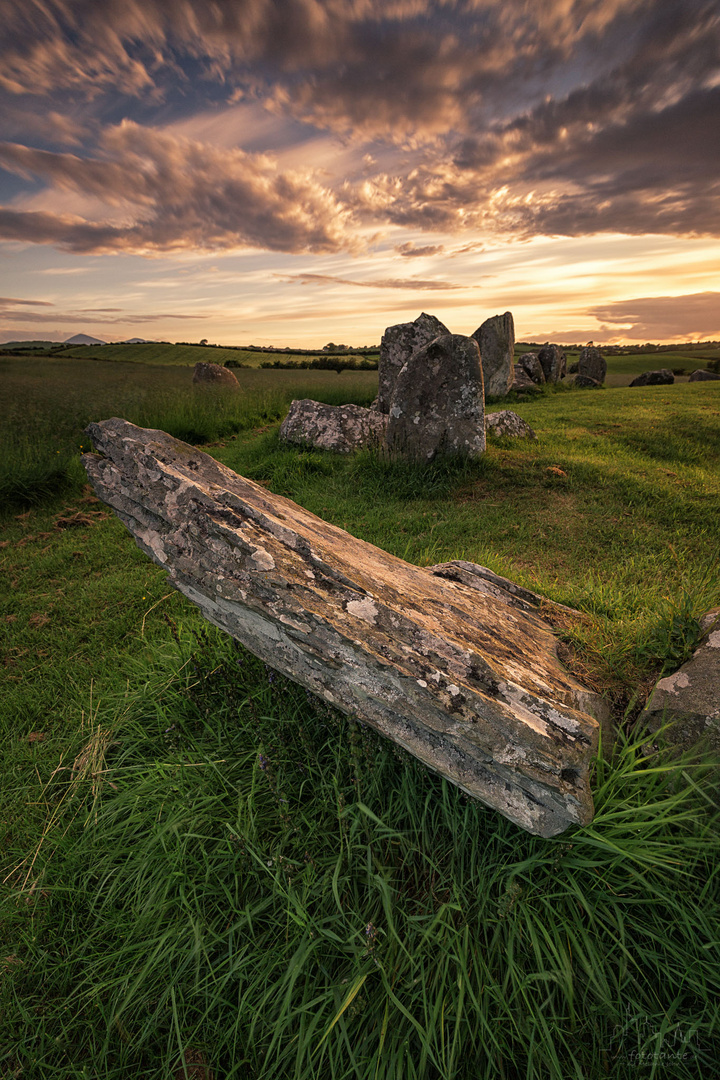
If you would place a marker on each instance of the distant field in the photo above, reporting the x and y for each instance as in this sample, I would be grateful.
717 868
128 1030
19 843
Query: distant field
175 355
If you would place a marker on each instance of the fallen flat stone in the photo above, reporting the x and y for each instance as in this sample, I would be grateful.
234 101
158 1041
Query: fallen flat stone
663 377
462 673
592 365
398 344
438 405
508 423
496 339
214 375
586 381
703 376
553 362
342 428
690 697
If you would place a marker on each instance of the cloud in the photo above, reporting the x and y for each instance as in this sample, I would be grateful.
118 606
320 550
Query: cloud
657 318
380 283
409 251
177 194
10 302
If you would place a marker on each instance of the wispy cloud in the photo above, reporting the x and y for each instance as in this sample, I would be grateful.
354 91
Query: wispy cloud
657 318
379 283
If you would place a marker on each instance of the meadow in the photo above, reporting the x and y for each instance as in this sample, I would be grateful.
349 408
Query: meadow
210 874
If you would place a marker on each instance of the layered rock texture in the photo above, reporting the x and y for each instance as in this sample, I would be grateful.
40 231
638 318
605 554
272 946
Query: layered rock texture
438 404
214 375
453 663
496 339
342 428
398 344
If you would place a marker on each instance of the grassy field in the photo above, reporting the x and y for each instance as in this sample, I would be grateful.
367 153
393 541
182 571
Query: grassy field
209 874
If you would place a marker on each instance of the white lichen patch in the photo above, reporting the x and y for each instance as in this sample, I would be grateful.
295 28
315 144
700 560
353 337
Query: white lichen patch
674 683
363 609
421 682
714 640
263 559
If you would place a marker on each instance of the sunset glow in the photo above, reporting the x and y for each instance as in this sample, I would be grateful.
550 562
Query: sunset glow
292 172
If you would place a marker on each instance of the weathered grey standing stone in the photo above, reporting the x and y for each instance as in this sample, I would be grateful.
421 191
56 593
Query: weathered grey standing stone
213 375
342 428
703 376
438 405
553 362
532 367
663 377
592 364
398 344
506 422
496 338
455 664
690 697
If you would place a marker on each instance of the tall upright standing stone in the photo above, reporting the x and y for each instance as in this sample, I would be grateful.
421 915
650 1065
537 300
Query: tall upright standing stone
398 344
592 364
553 362
496 338
438 405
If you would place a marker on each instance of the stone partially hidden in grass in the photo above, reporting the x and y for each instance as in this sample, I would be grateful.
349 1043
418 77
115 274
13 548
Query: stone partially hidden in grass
438 404
342 428
213 375
398 344
689 699
506 422
463 673
662 377
703 376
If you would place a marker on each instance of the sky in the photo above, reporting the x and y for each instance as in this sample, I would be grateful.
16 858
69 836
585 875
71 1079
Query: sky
294 172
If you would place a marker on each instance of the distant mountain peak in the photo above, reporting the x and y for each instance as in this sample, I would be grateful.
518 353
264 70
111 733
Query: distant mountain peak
84 339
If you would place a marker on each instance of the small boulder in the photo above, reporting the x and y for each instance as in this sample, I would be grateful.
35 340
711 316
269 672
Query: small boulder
663 377
496 339
586 381
592 365
553 362
438 405
573 369
342 428
532 367
508 423
704 376
690 697
398 344
214 375
521 379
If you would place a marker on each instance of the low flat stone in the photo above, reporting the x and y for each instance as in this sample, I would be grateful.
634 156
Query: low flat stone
508 423
342 428
532 367
586 381
214 375
553 362
704 376
398 344
453 663
662 377
496 340
438 405
592 365
690 697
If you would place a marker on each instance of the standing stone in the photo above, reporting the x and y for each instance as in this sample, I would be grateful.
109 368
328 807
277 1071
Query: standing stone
521 379
342 428
214 375
496 338
398 344
703 376
662 377
553 362
438 405
532 367
592 364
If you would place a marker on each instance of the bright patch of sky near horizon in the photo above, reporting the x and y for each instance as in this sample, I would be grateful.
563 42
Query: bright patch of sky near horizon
302 171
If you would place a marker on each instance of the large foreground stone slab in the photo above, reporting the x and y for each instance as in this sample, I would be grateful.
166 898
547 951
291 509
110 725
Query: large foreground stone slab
455 664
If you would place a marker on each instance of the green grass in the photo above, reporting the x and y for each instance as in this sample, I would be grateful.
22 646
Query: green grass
200 861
